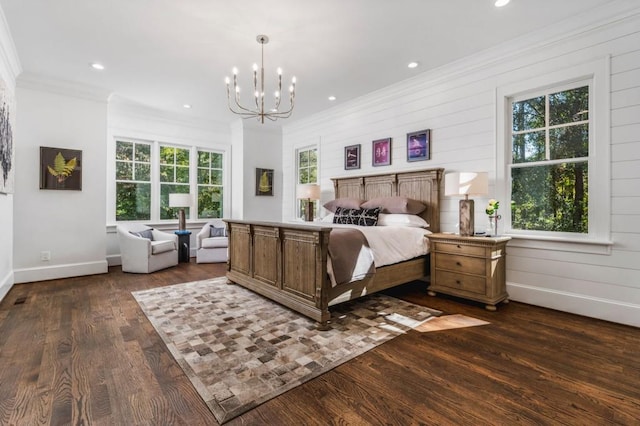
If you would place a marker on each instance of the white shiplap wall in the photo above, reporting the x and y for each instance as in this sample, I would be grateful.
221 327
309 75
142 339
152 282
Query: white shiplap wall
458 104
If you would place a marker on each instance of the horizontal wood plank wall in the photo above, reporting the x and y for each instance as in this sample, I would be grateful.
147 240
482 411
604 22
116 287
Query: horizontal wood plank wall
458 104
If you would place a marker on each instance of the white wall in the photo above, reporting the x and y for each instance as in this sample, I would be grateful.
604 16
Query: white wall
9 69
458 102
126 120
69 224
262 149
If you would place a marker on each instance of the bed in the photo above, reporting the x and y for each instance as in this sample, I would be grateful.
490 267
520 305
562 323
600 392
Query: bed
287 262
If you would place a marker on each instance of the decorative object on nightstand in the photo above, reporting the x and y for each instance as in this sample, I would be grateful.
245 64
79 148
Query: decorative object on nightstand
466 183
180 200
492 212
308 192
469 267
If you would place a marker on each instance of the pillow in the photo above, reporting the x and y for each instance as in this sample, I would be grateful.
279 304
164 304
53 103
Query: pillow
345 203
395 205
360 217
144 234
216 232
328 218
399 219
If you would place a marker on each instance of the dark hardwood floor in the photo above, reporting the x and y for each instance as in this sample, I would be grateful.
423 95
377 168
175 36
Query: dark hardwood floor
80 351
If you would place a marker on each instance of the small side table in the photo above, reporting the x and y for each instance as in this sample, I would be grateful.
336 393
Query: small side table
184 245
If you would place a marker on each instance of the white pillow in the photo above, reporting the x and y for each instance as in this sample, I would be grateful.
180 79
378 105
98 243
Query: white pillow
399 219
328 218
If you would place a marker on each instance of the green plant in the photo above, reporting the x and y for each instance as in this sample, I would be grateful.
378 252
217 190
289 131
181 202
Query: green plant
62 169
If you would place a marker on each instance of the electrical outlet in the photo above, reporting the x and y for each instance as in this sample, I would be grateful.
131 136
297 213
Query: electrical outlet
45 255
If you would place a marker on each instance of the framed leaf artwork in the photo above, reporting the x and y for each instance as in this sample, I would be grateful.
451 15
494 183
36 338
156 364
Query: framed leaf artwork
60 168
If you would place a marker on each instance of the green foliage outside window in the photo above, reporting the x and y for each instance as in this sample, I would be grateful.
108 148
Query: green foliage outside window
133 181
210 191
549 170
174 178
307 171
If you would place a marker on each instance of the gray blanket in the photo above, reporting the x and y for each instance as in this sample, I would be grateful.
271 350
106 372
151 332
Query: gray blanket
351 256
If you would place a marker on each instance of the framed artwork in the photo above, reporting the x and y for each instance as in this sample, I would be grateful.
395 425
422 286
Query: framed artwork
7 151
60 168
419 145
381 152
264 181
352 157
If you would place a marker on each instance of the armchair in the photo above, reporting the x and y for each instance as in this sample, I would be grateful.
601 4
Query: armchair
212 242
144 255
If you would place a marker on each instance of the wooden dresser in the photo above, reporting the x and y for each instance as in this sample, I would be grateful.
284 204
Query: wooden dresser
469 267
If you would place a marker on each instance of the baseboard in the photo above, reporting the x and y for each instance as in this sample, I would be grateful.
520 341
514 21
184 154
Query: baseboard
54 272
605 309
5 285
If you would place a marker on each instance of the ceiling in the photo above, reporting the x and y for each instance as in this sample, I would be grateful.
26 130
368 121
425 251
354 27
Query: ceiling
166 53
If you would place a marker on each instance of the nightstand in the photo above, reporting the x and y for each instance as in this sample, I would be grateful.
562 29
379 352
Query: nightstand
469 267
184 245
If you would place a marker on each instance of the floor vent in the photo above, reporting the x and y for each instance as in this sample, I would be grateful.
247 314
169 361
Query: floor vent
20 300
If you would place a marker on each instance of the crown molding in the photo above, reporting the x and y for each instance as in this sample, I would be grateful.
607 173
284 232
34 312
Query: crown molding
62 87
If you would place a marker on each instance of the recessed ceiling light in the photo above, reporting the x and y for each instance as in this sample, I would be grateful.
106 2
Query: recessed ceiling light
332 98
412 64
186 106
500 3
97 66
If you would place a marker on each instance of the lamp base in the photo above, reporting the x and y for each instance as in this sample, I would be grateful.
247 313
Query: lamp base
308 210
467 228
182 223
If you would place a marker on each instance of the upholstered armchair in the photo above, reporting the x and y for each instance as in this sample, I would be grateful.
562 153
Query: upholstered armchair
212 242
144 249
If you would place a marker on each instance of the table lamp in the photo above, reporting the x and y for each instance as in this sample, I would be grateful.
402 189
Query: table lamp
465 184
181 201
308 193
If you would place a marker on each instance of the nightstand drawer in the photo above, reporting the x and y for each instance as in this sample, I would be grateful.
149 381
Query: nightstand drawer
470 283
454 248
470 265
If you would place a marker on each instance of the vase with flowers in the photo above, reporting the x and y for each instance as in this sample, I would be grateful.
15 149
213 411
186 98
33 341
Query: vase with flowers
492 212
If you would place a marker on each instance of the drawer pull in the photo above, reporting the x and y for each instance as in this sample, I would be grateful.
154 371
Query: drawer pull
458 282
459 246
458 263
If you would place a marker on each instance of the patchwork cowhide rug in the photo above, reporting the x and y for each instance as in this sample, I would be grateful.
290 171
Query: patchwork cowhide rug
240 349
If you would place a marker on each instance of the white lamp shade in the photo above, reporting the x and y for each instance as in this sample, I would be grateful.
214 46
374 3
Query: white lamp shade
466 183
179 200
310 191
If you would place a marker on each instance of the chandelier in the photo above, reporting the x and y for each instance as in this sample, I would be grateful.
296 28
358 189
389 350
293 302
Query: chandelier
259 111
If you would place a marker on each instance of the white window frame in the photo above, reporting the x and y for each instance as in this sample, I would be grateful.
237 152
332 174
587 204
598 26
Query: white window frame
296 202
597 74
155 180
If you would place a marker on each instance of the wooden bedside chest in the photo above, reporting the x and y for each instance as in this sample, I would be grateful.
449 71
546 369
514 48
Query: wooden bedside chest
469 267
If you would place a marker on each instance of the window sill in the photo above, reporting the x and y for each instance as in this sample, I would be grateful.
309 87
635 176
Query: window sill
575 245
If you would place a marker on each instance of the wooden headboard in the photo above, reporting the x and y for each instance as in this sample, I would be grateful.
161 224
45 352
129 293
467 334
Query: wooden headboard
421 185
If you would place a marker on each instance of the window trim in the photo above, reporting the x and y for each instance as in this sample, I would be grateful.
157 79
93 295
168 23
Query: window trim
155 179
597 73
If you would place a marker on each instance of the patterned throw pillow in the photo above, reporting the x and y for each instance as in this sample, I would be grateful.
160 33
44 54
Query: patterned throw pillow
216 232
360 217
144 234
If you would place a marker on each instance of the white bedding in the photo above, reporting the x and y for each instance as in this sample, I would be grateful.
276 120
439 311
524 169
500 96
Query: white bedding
392 244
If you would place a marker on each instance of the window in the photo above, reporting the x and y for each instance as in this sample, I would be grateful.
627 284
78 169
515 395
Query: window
553 158
210 184
133 181
174 178
549 163
147 172
307 163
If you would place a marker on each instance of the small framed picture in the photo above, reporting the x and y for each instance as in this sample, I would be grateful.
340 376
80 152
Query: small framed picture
264 181
352 157
419 145
60 168
381 152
